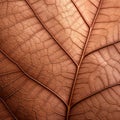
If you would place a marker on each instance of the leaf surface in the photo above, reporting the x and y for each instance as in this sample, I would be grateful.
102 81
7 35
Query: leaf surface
59 59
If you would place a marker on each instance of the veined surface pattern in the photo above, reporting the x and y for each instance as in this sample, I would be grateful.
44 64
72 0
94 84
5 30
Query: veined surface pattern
59 60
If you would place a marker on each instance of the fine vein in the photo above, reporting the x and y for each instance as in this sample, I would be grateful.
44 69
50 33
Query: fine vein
30 77
95 93
52 36
9 110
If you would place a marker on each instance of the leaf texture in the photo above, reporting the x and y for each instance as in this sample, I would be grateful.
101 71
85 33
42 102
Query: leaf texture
59 60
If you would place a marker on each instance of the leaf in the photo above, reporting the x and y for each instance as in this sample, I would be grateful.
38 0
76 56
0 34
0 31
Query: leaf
59 60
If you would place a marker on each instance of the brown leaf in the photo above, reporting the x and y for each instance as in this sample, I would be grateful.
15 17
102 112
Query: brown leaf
59 60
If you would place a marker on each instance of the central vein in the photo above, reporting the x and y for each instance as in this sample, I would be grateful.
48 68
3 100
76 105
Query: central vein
82 57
